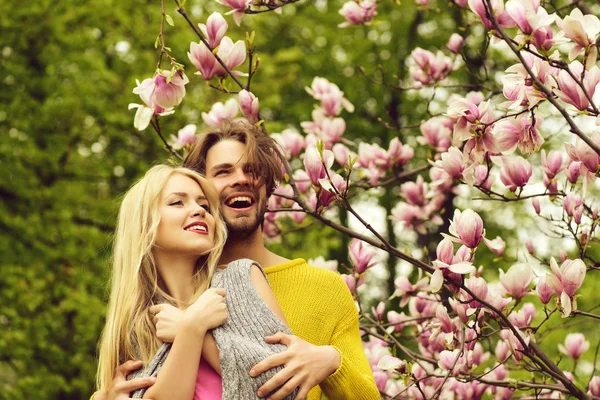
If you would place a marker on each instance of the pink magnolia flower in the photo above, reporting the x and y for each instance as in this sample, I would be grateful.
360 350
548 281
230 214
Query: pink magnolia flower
302 180
405 289
291 141
159 95
483 177
543 290
185 136
331 187
314 164
570 92
410 217
565 281
529 245
415 192
517 279
573 204
515 172
594 386
206 63
536 205
215 29
552 164
522 133
331 130
331 97
429 68
452 162
518 85
165 90
238 7
398 153
583 30
249 105
361 255
473 123
358 12
575 345
452 361
467 226
341 154
379 310
523 318
580 151
398 320
574 171
353 282
455 43
499 246
504 20
219 112
528 15
437 133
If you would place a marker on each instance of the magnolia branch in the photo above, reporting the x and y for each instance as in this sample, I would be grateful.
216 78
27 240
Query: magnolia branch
183 13
537 83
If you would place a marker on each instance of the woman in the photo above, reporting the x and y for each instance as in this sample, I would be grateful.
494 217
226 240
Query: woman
168 241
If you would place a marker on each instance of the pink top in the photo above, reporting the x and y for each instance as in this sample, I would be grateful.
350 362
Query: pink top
208 383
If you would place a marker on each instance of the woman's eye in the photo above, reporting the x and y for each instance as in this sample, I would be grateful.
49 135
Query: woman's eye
206 207
221 172
176 203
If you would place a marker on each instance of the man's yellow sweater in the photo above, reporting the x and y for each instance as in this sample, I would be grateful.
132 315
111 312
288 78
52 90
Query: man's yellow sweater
319 308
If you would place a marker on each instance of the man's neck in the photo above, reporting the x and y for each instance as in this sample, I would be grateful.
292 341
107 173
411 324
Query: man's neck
252 247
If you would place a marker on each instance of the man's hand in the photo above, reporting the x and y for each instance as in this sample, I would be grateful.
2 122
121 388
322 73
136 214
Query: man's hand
166 319
306 366
121 387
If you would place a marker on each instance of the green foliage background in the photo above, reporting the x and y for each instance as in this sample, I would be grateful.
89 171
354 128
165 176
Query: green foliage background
68 149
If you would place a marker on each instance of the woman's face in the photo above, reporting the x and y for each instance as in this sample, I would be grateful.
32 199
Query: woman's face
186 226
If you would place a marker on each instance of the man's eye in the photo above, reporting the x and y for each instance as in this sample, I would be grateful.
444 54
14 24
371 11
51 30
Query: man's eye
221 172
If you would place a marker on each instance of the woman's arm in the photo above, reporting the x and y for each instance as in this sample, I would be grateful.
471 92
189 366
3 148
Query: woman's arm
264 290
177 377
210 352
167 319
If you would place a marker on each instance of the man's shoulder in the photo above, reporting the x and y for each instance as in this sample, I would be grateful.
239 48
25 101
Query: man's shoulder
308 275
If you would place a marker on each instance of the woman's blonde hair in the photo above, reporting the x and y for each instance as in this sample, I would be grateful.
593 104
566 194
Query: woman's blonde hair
129 333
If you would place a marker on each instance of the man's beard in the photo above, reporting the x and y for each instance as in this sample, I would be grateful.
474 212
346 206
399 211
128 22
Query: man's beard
242 229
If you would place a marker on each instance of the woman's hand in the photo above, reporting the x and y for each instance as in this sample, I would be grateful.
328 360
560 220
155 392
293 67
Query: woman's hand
166 319
208 312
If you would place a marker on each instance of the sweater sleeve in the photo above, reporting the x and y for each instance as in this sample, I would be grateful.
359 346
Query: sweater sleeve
354 378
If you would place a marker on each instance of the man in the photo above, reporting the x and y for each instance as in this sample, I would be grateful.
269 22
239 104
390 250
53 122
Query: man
326 349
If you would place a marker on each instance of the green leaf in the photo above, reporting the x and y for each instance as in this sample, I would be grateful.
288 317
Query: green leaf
169 20
156 42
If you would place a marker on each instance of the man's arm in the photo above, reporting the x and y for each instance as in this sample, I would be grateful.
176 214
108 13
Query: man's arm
121 387
341 369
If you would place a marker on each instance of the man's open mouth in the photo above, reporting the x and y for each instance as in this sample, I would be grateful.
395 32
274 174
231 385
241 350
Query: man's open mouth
239 202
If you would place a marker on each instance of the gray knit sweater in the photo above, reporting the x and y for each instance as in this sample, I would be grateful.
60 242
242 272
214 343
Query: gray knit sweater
240 340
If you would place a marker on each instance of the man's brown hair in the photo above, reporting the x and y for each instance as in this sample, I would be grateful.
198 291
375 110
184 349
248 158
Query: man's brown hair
263 153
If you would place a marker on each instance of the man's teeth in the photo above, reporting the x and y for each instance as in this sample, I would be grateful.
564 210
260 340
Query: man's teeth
197 228
239 198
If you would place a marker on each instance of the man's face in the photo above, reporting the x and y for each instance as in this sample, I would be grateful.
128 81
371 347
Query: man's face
243 204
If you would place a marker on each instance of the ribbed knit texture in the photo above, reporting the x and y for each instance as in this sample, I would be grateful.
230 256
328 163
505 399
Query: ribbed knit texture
241 340
320 309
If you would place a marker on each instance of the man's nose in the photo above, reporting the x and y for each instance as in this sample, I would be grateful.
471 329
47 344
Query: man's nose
240 178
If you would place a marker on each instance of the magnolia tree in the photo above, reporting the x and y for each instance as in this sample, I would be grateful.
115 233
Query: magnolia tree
527 134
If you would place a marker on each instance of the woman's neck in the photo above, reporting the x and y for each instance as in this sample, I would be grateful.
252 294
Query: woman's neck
176 272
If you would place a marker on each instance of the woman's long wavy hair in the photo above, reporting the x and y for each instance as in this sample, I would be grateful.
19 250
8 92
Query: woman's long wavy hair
129 333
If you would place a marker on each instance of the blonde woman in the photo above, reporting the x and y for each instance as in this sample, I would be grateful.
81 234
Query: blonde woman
168 242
